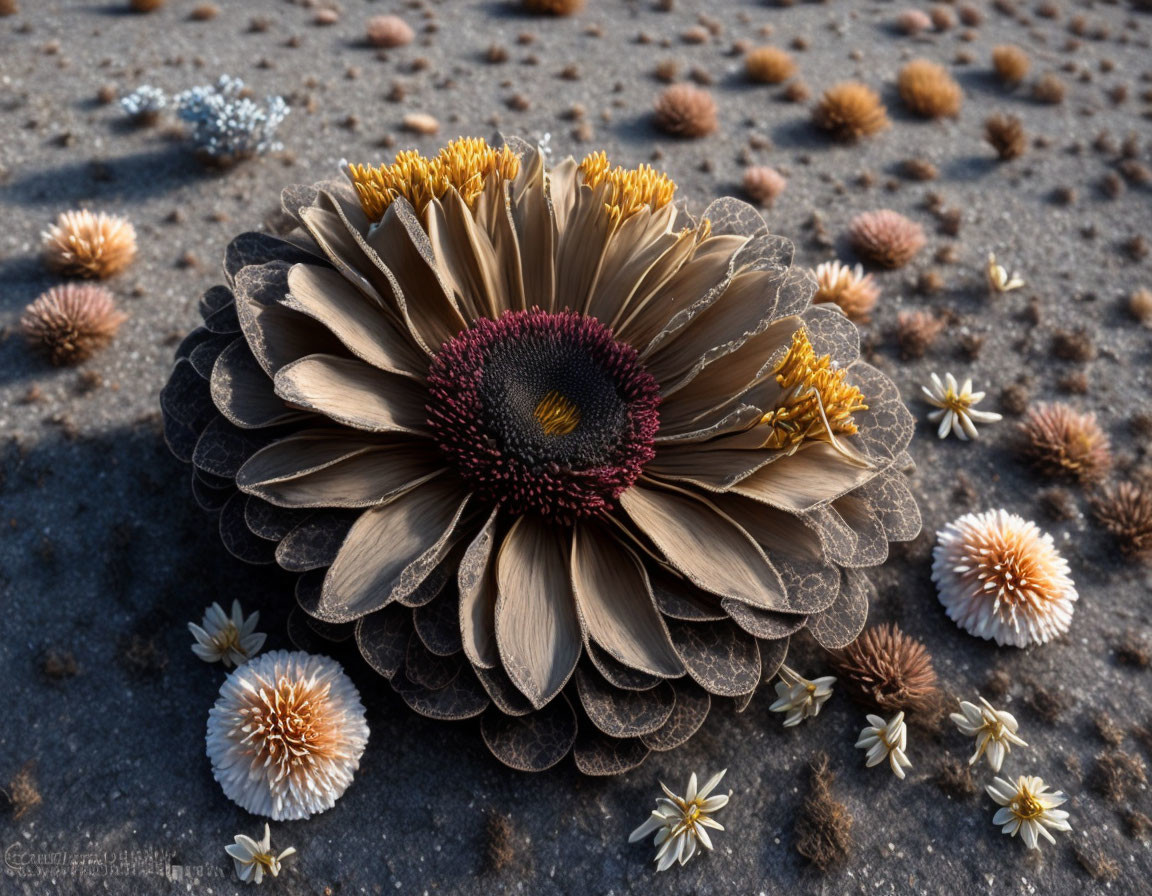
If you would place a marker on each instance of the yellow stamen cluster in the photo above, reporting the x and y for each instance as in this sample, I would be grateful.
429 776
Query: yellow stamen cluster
556 415
1026 806
816 402
463 165
630 189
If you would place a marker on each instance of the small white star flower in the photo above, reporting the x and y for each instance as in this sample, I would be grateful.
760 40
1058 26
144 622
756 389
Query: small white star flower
994 730
253 858
1028 809
680 823
799 697
228 640
886 740
998 278
956 413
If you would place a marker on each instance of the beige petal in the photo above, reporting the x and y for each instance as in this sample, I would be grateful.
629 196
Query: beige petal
563 186
364 477
354 394
614 600
815 474
243 393
535 231
717 385
633 250
697 284
537 630
493 214
710 469
345 252
705 545
476 579
741 311
666 266
365 326
465 257
425 300
391 549
580 249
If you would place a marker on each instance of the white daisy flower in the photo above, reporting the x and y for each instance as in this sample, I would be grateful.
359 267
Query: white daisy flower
886 740
1028 809
994 730
956 413
253 858
228 640
998 278
799 697
680 823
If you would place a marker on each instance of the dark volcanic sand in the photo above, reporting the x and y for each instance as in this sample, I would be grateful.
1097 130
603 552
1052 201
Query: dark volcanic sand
104 554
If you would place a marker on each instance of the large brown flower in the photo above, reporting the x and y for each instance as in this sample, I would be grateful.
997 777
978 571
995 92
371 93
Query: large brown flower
563 458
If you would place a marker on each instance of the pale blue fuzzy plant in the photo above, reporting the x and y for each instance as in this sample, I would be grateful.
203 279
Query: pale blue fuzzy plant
226 125
145 102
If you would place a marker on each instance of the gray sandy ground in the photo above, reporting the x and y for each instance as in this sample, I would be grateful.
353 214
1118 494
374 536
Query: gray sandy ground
103 553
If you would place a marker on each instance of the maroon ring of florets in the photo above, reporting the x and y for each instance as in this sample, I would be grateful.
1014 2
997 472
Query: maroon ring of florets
543 413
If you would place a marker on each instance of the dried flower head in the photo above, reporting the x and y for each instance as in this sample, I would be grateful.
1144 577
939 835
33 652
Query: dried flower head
888 669
850 110
144 104
553 7
1000 578
286 734
388 31
913 21
763 184
72 322
886 740
84 244
538 280
994 730
853 291
1028 809
916 331
1060 441
1010 63
800 698
230 640
681 822
928 90
885 238
686 111
823 824
1005 134
999 280
769 65
254 858
1125 512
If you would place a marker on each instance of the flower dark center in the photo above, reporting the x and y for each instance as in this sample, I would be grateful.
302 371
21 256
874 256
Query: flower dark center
543 413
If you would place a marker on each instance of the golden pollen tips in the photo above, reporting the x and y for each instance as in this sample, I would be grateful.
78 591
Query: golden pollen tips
464 165
629 189
816 402
556 415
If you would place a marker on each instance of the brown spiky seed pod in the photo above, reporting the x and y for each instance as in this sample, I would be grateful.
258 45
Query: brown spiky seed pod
1049 89
916 331
886 669
1125 512
1060 441
885 238
388 31
72 322
763 184
850 289
686 111
1010 63
1005 134
554 7
89 245
769 65
928 90
850 110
